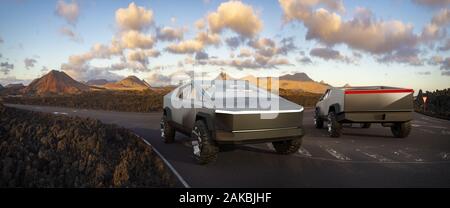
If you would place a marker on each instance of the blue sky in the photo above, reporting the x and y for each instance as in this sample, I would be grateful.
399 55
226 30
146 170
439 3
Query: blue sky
32 30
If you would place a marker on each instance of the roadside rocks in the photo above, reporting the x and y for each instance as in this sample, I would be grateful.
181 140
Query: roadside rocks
43 150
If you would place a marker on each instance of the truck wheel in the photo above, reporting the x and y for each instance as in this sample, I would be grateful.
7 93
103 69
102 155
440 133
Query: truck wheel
365 125
334 127
167 131
401 130
288 146
204 148
318 121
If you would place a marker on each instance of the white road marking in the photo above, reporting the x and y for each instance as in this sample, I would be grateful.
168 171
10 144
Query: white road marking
408 156
445 155
270 146
428 126
185 184
337 154
375 156
304 152
60 113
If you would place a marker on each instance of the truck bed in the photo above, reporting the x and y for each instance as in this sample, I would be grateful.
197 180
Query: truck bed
378 104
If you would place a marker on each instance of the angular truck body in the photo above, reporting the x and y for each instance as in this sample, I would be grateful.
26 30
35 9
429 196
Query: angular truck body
389 106
230 112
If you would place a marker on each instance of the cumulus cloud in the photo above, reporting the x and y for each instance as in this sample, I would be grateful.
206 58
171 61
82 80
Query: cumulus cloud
29 63
287 45
237 16
406 55
6 67
201 55
363 32
245 52
141 56
200 24
169 33
134 39
68 11
233 42
65 31
329 54
202 40
435 29
134 17
304 60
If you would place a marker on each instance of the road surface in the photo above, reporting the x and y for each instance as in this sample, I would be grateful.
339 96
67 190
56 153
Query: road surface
360 158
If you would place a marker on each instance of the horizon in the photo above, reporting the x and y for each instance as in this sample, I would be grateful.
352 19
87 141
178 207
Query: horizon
342 42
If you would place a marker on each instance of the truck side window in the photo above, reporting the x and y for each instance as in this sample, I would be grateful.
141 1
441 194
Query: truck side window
325 95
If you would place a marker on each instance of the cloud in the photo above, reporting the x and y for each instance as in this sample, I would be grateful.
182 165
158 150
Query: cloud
363 32
202 40
233 42
444 64
29 62
245 52
301 9
406 55
134 17
432 3
237 16
68 11
329 54
134 39
65 31
200 24
304 60
6 67
287 46
141 56
1 40
435 29
187 46
169 34
13 80
201 55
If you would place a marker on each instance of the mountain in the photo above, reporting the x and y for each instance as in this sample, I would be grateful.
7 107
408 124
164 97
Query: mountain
224 76
129 83
98 82
55 82
298 81
296 77
1 87
18 85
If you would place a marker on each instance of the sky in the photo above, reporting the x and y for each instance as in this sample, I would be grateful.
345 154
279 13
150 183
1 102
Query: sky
402 43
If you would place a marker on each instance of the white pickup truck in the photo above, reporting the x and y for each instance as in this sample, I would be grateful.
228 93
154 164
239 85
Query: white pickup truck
391 107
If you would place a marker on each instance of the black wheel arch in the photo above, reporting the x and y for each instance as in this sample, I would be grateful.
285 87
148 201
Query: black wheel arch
336 108
209 121
168 113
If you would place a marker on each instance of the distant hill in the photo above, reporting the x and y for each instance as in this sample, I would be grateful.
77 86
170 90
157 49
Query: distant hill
296 77
99 82
55 82
298 81
1 87
129 83
224 76
18 85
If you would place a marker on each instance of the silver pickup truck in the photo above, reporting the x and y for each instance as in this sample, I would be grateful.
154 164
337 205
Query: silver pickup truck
391 107
230 112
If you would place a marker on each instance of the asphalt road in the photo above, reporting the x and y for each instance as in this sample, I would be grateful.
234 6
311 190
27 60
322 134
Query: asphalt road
360 158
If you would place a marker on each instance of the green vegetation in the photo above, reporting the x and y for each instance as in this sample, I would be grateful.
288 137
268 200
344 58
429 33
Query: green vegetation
437 104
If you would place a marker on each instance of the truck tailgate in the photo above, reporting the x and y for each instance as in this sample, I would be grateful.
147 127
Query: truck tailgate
378 100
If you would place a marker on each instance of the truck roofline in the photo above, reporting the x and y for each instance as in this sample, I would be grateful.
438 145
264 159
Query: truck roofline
258 111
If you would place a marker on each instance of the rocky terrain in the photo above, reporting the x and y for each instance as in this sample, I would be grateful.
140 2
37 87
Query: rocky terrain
44 150
128 101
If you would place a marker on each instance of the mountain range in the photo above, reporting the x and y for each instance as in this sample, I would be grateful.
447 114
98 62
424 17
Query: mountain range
58 82
297 81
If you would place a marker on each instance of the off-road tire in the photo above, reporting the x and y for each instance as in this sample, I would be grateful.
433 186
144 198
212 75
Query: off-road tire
401 130
167 130
207 148
318 121
288 146
333 126
365 125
